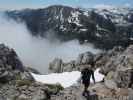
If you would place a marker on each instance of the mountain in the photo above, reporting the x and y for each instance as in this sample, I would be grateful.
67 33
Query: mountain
105 28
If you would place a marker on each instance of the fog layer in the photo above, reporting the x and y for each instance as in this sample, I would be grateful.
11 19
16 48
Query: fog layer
37 52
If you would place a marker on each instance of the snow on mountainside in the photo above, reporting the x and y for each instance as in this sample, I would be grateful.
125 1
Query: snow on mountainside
117 15
105 28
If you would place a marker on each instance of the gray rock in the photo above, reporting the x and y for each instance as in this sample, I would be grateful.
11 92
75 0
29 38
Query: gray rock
33 70
26 76
110 84
40 95
122 78
130 94
73 93
120 62
22 97
32 91
56 65
9 63
79 59
68 67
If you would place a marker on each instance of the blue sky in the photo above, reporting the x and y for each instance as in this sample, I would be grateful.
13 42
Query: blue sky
17 4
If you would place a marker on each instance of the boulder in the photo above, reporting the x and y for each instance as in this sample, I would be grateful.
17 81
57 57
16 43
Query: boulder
123 78
68 67
110 84
56 65
79 59
109 81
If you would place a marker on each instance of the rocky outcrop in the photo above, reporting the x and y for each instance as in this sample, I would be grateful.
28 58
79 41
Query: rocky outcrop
10 66
96 92
105 60
83 60
56 65
90 60
105 28
16 82
119 67
27 90
116 65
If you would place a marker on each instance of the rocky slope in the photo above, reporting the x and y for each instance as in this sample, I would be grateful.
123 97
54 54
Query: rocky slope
116 65
105 28
16 82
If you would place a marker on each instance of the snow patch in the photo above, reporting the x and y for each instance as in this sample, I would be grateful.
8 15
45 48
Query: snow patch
98 35
56 17
86 13
83 29
63 28
74 18
104 15
117 15
66 79
61 16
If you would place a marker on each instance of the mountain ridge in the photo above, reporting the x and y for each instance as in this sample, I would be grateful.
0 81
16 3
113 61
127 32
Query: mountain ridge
105 28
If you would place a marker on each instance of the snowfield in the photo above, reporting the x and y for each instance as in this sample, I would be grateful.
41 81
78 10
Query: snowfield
66 79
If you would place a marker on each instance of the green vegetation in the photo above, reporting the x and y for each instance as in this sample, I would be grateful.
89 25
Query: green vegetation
56 88
23 82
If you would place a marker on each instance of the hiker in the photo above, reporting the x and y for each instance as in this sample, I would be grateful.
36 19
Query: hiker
86 75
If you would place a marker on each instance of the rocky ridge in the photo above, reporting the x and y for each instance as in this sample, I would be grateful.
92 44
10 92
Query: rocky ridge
16 82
